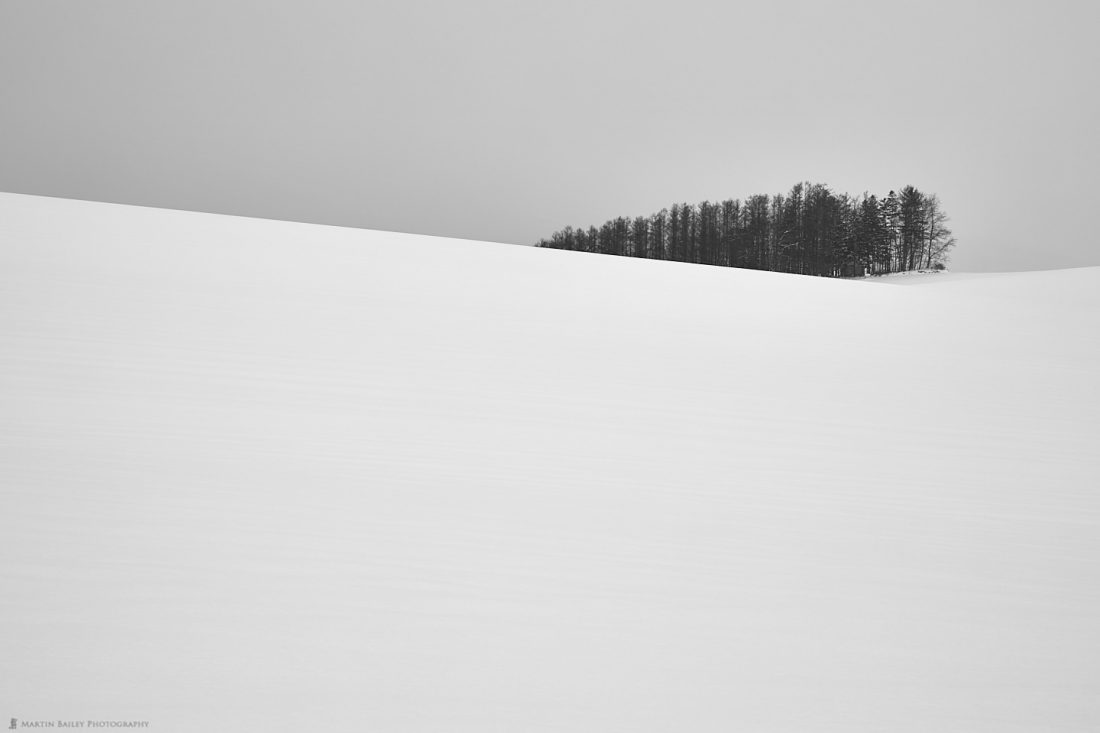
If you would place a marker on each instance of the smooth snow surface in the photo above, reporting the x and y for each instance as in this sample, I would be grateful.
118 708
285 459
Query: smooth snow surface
276 477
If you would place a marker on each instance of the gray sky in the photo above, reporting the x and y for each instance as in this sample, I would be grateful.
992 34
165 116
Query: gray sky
497 120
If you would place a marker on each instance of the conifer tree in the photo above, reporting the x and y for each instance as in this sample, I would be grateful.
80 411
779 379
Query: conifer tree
809 230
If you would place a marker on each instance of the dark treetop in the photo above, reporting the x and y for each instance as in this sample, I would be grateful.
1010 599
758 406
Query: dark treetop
810 231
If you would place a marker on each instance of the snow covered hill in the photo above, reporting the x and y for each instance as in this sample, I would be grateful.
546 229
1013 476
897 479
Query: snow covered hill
258 475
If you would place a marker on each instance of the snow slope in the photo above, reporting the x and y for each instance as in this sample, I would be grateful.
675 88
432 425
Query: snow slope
257 475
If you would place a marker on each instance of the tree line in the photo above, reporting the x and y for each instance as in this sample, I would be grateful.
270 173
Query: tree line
810 230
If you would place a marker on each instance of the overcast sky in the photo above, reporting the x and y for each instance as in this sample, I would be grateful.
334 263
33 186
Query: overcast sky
505 120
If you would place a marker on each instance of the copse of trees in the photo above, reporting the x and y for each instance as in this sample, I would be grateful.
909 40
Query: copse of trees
810 231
